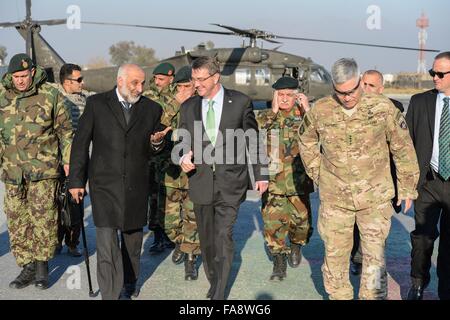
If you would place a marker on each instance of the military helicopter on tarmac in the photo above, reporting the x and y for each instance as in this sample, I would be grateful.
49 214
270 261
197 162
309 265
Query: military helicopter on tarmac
249 69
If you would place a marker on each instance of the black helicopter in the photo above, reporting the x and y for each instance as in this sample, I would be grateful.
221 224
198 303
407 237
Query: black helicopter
249 69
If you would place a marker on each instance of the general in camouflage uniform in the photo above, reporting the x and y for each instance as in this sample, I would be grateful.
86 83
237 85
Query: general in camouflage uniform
36 135
173 201
286 206
160 90
345 144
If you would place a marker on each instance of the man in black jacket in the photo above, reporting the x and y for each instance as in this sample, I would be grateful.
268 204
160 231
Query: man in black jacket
122 126
428 119
214 127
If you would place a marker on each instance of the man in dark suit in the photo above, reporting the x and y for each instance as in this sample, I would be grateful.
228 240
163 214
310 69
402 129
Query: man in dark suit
122 125
373 82
215 156
428 119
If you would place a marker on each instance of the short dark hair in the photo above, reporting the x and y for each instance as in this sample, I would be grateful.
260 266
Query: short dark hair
210 63
443 55
66 71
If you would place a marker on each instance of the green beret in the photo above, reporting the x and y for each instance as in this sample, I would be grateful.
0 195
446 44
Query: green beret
164 68
285 83
183 75
20 62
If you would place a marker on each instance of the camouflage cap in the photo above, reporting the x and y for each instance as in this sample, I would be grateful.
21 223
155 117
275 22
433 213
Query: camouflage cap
183 75
165 68
20 62
285 83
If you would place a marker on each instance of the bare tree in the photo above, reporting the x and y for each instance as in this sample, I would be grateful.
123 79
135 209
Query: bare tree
129 52
3 55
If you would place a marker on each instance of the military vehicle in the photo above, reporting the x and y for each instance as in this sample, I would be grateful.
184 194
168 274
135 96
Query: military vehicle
249 69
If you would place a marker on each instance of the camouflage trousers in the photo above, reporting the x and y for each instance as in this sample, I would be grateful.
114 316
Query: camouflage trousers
32 217
336 229
286 217
180 224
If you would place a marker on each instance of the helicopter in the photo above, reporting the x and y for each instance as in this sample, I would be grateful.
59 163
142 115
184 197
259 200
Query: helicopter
249 69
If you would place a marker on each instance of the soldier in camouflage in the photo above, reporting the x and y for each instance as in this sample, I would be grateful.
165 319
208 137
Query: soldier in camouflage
345 140
71 87
161 91
286 206
173 201
36 134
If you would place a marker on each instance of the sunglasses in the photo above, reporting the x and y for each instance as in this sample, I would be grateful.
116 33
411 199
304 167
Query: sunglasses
79 80
437 73
347 93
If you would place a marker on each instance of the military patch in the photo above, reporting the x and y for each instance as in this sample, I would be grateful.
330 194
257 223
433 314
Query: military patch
403 125
306 121
24 64
301 130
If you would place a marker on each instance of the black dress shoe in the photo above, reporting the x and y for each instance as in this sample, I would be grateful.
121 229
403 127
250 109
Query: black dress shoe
211 291
129 291
158 245
190 267
74 252
25 278
295 257
168 244
355 268
415 292
178 255
41 275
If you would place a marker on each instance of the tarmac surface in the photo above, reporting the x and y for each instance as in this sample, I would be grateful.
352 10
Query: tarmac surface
160 279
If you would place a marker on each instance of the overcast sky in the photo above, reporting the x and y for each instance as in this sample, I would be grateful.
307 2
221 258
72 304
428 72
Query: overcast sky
345 20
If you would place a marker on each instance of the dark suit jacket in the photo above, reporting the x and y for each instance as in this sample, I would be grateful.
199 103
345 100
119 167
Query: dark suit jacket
232 177
118 168
420 120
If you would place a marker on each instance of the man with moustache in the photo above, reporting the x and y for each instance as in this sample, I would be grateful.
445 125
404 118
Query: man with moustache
122 126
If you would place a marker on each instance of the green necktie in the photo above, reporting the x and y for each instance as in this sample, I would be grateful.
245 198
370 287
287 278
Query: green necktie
211 122
444 141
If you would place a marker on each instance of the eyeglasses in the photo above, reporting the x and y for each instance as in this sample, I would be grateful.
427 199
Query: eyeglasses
437 73
202 79
347 93
79 80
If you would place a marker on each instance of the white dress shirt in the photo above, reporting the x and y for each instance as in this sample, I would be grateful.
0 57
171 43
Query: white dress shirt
437 123
217 106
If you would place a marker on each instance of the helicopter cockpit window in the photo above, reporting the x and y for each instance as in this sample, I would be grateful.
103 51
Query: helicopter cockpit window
243 77
317 75
262 77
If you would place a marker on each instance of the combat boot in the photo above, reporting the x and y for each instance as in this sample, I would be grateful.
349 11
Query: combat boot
190 267
279 267
25 278
177 255
158 245
41 275
295 257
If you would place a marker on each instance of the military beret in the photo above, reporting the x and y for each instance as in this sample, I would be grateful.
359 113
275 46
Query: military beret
183 75
164 68
285 83
20 62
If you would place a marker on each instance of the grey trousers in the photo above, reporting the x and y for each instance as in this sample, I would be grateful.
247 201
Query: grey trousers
117 263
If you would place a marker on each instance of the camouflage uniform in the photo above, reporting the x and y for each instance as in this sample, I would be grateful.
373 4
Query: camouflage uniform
286 207
36 135
75 103
174 204
348 158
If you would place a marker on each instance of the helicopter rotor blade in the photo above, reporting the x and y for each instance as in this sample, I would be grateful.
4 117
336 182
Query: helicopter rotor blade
156 27
28 10
9 24
51 22
356 44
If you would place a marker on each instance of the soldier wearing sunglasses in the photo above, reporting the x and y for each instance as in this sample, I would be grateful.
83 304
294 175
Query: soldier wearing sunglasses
428 119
